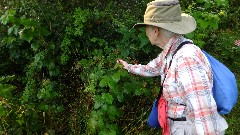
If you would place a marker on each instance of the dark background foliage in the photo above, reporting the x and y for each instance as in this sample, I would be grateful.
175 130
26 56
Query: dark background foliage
58 63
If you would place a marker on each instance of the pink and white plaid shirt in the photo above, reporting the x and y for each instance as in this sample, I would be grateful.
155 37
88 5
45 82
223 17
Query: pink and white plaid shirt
187 86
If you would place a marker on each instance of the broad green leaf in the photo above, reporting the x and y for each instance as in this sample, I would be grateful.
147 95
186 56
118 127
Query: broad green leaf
3 112
6 90
11 12
28 22
213 24
27 34
10 30
43 106
124 52
35 46
98 102
8 16
143 39
104 81
123 72
112 84
84 63
190 35
15 31
107 98
4 19
112 112
138 91
200 1
97 105
100 122
104 107
111 132
10 40
120 97
117 65
92 124
204 24
116 77
51 46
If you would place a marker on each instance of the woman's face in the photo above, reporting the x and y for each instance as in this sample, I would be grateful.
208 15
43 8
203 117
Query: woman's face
151 33
155 37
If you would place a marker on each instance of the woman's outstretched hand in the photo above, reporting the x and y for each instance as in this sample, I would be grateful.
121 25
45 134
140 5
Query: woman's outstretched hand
124 63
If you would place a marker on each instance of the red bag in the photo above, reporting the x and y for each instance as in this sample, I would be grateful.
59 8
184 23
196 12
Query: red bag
162 116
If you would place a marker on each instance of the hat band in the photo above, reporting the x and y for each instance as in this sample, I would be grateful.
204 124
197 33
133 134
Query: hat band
163 3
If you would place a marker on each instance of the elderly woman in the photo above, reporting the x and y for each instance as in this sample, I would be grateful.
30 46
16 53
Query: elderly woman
186 75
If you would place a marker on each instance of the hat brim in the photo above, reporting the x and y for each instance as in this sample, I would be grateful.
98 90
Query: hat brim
185 26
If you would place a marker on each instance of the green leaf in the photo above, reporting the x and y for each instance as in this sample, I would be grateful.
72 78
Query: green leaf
200 43
8 16
3 112
120 96
138 91
213 24
123 72
190 35
129 87
51 46
10 30
104 81
124 52
112 83
118 65
143 39
204 24
27 34
108 98
6 90
35 46
116 77
98 102
10 40
4 19
113 112
43 106
28 22
111 132
200 1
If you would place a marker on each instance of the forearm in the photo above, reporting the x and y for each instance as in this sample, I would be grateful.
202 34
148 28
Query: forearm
143 70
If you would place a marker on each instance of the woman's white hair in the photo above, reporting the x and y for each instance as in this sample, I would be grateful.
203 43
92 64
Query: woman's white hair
167 33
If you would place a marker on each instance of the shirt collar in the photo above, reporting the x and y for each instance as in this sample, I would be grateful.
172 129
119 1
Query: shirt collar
172 45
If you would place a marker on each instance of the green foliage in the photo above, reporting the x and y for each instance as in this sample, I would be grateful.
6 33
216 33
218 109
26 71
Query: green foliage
207 14
59 73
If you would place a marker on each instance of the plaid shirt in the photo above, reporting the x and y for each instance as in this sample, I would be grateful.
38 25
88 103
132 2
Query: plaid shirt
187 86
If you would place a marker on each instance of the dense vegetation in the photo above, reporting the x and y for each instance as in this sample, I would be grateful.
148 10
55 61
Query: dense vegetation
58 63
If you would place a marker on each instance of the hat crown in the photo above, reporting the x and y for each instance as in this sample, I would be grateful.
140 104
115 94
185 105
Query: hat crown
163 11
167 14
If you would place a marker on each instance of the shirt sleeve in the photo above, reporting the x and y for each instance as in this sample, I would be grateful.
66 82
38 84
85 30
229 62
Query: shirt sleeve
153 68
195 87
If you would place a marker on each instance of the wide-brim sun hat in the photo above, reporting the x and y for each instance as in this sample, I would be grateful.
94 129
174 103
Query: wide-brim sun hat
167 14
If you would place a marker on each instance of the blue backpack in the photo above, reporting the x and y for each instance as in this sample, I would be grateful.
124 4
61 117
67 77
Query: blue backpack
225 92
224 89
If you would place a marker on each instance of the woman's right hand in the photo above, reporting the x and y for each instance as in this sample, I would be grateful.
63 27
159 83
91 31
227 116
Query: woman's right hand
124 63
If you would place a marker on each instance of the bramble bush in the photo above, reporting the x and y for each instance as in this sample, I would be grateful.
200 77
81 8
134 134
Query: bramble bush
59 73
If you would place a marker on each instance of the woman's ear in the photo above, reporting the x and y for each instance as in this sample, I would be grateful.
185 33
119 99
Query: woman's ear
156 31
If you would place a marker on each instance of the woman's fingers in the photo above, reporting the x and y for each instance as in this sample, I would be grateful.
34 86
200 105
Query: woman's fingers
124 63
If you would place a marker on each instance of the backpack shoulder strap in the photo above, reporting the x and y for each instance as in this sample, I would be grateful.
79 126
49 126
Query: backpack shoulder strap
179 47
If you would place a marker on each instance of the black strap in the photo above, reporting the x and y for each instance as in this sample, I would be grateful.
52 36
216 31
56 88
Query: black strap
179 47
178 119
